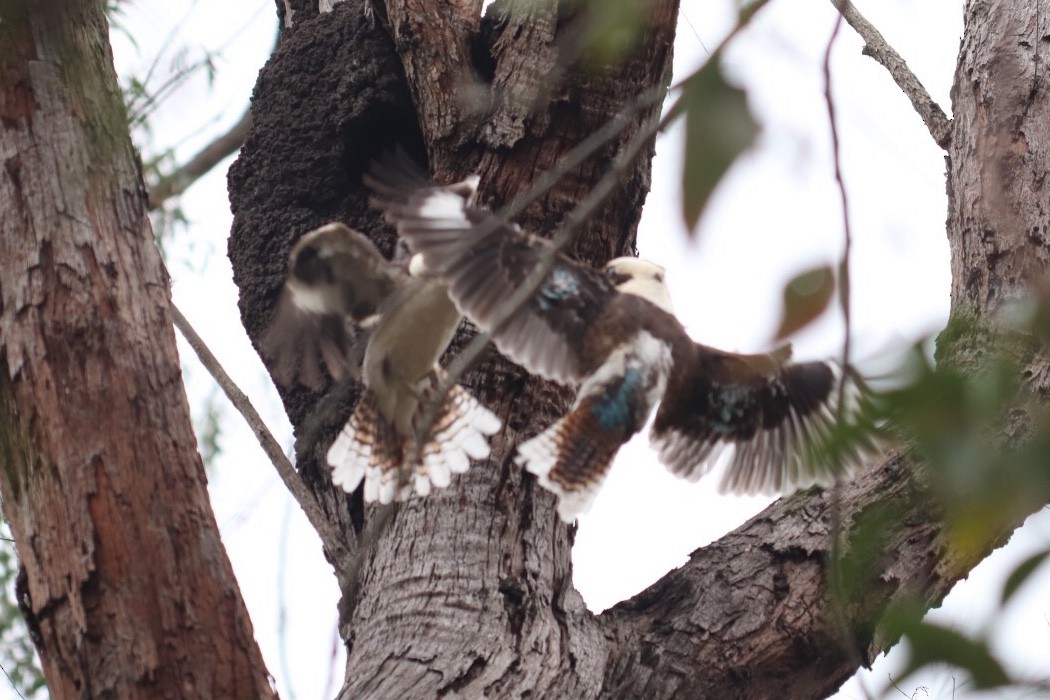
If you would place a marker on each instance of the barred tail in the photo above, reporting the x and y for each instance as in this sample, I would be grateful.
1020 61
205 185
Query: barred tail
570 459
460 433
369 449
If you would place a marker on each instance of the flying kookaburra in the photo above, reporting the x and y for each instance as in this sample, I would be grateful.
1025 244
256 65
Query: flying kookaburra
387 324
615 334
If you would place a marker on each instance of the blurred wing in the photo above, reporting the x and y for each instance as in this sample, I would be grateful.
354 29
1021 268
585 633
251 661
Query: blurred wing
337 282
776 415
484 269
297 342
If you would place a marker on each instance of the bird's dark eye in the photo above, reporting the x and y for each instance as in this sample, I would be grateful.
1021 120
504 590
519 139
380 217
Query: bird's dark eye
313 265
659 277
615 276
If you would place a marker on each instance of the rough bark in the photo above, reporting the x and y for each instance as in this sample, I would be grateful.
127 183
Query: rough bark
468 592
999 216
127 588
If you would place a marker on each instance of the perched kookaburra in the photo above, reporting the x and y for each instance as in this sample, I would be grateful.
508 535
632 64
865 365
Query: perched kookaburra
386 324
614 333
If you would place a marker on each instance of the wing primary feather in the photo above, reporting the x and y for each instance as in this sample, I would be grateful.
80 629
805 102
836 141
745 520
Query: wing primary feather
483 267
776 416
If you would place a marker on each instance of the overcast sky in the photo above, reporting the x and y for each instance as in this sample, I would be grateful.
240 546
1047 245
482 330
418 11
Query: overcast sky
775 214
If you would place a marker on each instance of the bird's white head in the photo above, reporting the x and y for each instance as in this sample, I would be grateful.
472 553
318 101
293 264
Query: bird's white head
642 278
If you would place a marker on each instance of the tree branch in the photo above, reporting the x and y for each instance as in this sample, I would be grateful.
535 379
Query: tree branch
754 608
939 125
329 534
177 181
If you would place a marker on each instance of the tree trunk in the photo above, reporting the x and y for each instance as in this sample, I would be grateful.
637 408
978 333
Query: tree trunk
468 592
127 588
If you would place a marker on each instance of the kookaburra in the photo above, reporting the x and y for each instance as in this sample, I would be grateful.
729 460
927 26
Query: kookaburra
614 333
386 324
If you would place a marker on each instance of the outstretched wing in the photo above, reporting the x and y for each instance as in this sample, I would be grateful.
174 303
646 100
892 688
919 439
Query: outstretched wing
336 282
773 412
484 266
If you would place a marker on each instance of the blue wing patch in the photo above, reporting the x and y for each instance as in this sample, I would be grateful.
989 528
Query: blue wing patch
561 284
615 408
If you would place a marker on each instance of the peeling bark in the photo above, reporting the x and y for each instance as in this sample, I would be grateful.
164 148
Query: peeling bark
130 593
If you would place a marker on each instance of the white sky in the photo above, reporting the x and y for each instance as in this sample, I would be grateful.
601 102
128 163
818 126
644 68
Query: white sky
775 214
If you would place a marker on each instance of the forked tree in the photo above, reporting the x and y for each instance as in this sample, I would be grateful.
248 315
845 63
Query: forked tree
468 592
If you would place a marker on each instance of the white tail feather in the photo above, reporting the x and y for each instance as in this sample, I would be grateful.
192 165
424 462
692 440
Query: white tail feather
462 434
539 455
350 457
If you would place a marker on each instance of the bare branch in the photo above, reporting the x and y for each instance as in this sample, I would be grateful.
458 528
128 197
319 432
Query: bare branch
176 182
330 535
939 125
839 616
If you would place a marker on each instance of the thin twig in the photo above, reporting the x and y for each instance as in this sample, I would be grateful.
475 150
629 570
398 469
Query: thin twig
835 570
330 536
939 125
282 602
12 682
847 231
166 89
177 181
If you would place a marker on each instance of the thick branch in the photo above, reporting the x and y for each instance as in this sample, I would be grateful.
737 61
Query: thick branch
875 45
483 566
433 40
753 609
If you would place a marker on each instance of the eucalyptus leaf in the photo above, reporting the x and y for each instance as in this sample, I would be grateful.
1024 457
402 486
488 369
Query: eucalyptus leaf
718 128
806 297
934 644
1022 573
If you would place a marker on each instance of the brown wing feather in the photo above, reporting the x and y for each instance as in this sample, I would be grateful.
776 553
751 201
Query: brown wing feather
774 413
484 268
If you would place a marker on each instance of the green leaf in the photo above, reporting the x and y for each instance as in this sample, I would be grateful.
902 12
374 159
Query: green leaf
1022 573
933 644
806 297
718 128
